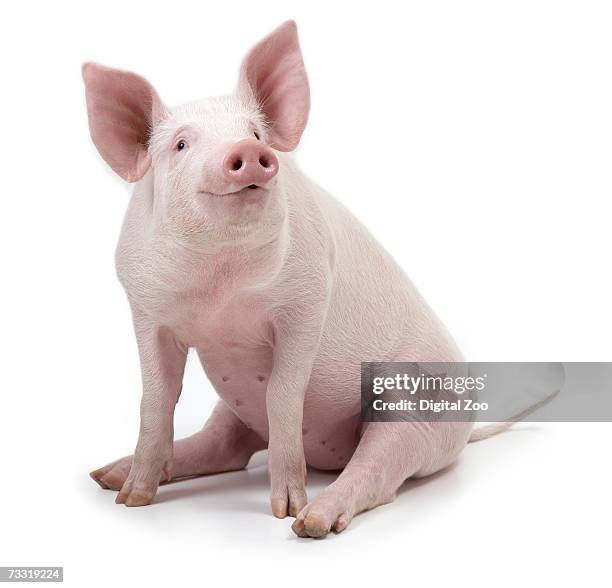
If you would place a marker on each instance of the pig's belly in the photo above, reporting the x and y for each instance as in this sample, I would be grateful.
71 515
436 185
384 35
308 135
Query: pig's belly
330 428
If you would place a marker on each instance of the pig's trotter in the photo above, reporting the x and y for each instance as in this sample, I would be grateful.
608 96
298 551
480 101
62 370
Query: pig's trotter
387 455
224 444
147 471
330 511
287 483
285 404
113 475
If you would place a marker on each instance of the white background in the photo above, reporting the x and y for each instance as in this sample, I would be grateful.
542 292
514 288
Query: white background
473 138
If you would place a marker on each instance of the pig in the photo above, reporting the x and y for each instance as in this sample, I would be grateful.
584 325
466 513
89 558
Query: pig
227 248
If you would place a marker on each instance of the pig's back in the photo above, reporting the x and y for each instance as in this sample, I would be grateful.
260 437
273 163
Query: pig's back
375 311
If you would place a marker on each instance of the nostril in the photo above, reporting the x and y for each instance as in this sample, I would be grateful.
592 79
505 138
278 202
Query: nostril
237 164
264 162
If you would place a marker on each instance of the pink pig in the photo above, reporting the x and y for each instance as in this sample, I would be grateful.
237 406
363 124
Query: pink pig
229 249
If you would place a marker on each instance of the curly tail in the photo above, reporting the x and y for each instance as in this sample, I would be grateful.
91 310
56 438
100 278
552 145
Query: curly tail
496 428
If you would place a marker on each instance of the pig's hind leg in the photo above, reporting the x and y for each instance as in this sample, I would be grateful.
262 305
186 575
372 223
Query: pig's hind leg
387 455
224 444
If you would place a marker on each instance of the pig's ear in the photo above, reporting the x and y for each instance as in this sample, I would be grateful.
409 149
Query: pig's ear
273 73
122 109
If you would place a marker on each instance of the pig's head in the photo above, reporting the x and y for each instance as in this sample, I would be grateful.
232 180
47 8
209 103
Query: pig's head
212 164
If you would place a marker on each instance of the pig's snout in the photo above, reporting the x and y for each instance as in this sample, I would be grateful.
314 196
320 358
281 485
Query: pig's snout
250 163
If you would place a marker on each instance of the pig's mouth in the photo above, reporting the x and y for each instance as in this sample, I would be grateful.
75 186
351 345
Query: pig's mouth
235 193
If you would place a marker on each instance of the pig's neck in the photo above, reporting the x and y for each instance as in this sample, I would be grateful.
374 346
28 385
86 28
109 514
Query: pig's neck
236 266
158 268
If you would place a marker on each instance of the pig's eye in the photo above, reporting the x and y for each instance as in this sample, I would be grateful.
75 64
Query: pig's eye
256 135
180 145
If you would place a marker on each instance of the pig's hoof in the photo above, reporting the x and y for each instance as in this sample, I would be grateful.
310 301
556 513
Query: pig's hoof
326 513
290 504
141 485
287 485
113 475
132 496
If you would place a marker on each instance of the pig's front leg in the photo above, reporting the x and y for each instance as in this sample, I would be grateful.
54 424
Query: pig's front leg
293 357
162 361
